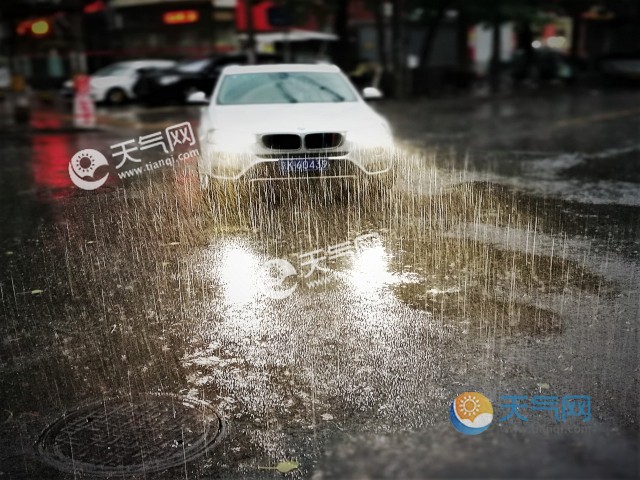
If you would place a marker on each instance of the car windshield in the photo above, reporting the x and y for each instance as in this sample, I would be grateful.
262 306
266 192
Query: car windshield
284 87
114 69
193 66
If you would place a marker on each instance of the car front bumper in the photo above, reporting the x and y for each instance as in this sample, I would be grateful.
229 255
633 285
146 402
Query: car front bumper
258 167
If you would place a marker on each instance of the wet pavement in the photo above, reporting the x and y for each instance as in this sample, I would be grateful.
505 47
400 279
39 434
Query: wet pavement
505 260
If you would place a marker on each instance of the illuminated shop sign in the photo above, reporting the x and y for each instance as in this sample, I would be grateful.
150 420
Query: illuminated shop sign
180 16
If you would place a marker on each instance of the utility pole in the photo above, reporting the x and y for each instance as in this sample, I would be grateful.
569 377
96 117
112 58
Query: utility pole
399 61
19 101
213 28
496 50
251 38
84 115
341 52
79 58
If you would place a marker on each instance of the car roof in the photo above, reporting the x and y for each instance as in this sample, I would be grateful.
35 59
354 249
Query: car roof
280 67
153 61
139 63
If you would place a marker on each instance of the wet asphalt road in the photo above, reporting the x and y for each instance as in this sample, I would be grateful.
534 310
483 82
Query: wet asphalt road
505 261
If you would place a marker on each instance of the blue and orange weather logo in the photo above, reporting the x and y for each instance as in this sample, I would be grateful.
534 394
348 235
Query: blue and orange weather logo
471 413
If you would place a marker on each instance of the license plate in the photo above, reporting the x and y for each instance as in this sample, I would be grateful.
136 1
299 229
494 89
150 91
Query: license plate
299 165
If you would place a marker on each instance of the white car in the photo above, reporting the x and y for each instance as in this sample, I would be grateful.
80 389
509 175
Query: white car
114 83
285 122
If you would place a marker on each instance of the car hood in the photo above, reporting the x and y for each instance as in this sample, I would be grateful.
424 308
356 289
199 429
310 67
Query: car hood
307 117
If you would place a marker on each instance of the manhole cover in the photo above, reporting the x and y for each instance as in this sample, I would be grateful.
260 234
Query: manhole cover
131 435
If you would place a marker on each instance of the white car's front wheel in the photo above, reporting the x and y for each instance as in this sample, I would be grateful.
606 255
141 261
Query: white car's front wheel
116 96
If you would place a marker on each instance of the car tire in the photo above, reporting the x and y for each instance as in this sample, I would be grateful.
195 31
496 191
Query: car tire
116 96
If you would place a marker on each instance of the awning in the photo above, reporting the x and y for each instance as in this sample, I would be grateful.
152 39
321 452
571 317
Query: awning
292 36
137 3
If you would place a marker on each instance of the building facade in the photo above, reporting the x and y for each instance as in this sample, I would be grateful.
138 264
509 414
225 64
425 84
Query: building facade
48 40
174 28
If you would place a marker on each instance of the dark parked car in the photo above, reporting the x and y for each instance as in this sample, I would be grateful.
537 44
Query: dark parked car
621 68
177 83
544 65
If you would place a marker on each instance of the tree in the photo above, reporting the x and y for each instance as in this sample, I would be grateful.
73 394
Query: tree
342 48
377 8
433 12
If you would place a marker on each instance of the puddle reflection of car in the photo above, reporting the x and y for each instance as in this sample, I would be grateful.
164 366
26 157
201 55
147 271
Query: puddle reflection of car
291 122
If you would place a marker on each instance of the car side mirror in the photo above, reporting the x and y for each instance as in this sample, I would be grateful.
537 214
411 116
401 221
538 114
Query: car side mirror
372 93
198 98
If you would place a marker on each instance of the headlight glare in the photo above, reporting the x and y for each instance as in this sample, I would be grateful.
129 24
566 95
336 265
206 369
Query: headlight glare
230 140
370 138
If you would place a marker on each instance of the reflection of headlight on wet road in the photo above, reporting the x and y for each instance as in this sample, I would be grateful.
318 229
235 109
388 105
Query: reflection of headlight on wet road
246 276
237 274
370 270
230 141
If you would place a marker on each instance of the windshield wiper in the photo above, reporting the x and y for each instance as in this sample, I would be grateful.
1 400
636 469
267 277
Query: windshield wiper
324 88
286 93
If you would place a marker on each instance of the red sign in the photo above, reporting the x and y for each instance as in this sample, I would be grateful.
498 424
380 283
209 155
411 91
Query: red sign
95 7
84 113
81 84
260 17
180 16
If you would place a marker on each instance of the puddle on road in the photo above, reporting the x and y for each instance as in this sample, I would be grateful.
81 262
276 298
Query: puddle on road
479 315
126 309
619 164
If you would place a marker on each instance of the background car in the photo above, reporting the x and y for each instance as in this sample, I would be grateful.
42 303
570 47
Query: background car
114 83
290 122
623 68
177 83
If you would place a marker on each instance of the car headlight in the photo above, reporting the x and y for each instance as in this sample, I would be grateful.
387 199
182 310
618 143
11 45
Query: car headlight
230 140
379 137
168 80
